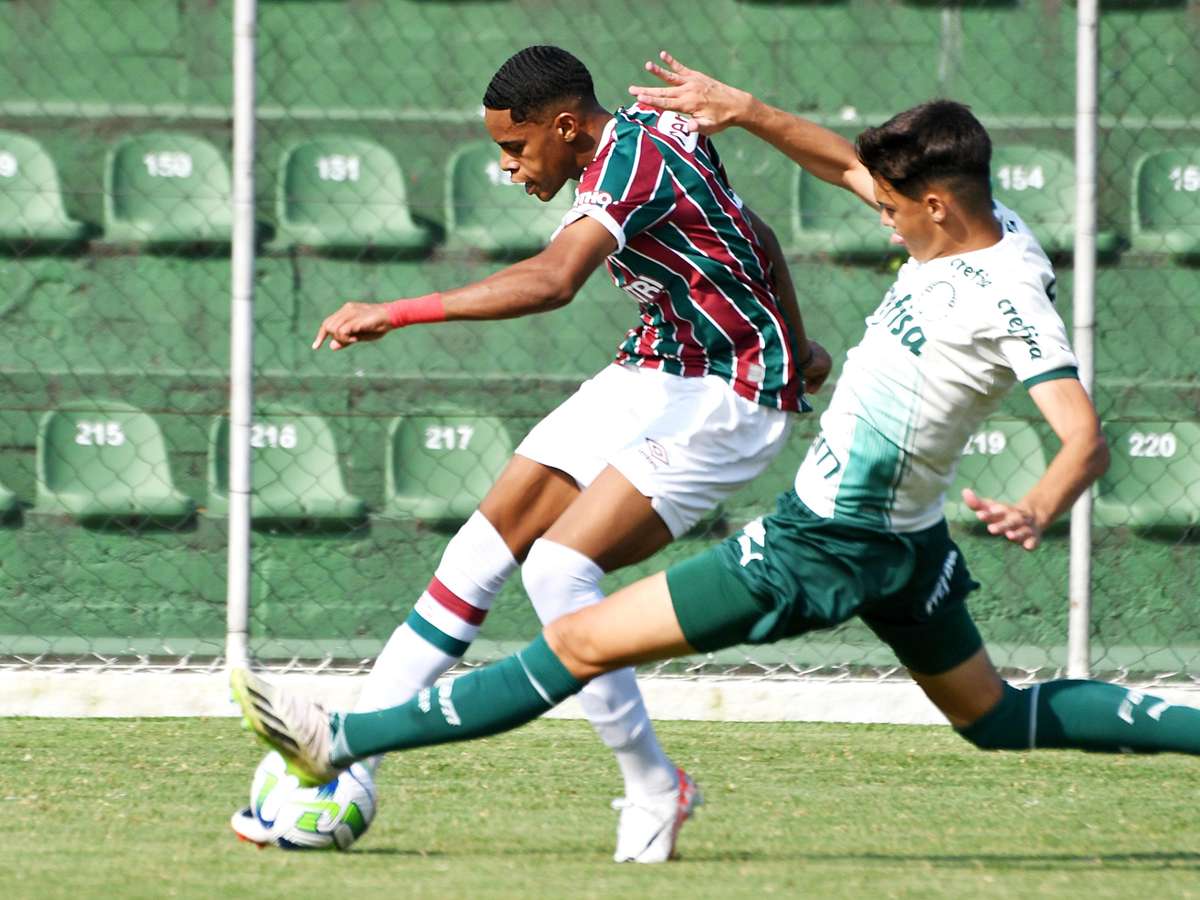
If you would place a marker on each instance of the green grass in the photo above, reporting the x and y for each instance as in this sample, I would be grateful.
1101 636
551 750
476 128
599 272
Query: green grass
139 808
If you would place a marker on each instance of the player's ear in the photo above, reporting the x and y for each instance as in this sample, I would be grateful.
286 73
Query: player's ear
566 126
935 205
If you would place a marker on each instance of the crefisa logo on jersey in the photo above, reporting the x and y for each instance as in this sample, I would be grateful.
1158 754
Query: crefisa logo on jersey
1018 327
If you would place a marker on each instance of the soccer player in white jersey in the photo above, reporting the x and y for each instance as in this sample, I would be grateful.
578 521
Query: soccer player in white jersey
697 403
971 313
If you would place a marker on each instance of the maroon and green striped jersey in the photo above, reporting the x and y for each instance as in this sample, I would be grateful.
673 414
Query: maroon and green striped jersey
687 254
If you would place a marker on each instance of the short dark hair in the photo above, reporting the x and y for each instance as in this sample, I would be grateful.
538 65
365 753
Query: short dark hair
535 77
941 141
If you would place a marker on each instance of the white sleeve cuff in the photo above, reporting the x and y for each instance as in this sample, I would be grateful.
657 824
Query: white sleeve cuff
600 215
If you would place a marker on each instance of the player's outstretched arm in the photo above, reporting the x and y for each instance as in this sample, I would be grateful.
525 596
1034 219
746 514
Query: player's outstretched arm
714 106
1082 458
814 361
538 284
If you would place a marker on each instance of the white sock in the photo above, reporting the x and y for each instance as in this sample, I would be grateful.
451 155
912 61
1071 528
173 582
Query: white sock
447 617
560 580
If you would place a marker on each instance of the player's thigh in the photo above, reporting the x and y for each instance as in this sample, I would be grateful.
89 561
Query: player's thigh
611 522
634 625
702 445
525 501
965 693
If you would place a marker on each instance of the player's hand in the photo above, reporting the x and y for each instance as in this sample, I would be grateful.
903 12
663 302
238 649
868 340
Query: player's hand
712 106
818 368
1009 519
354 323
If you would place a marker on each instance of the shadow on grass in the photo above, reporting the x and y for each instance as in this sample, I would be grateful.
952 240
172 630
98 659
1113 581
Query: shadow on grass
1177 859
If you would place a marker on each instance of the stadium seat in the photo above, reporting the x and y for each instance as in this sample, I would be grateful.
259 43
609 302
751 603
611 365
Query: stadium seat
1153 481
829 220
8 502
1004 458
1039 185
106 462
31 204
295 475
341 194
166 188
439 467
1166 202
485 211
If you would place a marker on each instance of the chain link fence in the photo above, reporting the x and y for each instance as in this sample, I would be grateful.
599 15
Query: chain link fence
376 179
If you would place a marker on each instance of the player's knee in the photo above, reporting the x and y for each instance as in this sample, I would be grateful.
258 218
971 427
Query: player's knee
1008 725
572 643
538 573
559 579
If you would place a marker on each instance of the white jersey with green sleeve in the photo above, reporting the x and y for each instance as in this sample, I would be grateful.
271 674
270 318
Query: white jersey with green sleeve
949 340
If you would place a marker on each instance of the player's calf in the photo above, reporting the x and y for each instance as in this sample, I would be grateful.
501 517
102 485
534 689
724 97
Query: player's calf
1085 715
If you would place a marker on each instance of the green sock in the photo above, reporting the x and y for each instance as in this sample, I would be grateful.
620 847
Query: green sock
1086 715
487 701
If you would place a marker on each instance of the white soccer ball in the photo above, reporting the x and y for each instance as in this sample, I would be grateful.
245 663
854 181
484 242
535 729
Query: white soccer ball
332 815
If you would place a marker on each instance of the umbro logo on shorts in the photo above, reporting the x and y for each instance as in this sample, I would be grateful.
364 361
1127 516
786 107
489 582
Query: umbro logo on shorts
655 453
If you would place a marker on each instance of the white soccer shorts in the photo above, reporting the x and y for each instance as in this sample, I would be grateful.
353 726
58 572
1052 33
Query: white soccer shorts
686 443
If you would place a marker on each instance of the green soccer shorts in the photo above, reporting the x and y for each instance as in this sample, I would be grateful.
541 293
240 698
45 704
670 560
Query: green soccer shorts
793 572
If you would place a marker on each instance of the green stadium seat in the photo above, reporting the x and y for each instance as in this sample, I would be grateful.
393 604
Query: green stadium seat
487 212
106 462
1153 482
439 467
1003 459
31 203
295 474
1039 185
1166 202
8 502
832 221
342 194
167 188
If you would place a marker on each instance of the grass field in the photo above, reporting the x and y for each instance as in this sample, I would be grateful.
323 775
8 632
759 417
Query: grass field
139 808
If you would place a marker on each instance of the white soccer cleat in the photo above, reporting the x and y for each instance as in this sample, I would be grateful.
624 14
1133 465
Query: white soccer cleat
647 830
292 724
247 827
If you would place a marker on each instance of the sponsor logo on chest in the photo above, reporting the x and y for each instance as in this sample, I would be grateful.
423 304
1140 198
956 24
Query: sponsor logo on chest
643 289
592 198
897 315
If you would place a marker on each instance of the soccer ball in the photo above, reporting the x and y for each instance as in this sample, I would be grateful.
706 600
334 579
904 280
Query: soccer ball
332 815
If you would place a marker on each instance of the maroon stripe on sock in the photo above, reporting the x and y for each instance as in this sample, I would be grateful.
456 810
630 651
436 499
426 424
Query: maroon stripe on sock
473 615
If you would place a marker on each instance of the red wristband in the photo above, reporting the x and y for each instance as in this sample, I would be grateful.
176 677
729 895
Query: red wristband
417 310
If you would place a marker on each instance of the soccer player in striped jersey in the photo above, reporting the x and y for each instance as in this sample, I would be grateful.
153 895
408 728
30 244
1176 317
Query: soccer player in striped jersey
971 313
697 403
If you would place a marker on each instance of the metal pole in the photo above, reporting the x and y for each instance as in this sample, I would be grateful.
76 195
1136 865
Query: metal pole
1086 121
241 342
